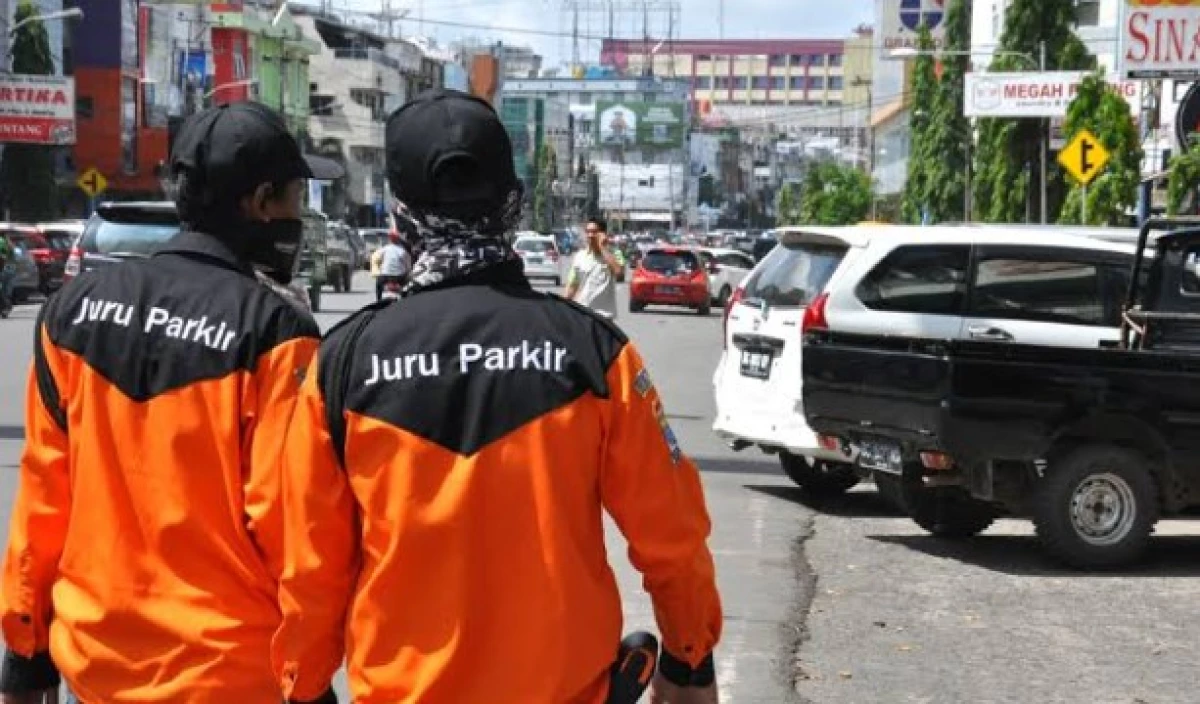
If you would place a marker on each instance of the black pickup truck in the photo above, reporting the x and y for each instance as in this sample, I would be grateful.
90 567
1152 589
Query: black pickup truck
1093 444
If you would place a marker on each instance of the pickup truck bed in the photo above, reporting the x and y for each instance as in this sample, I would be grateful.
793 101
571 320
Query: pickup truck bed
1094 444
986 401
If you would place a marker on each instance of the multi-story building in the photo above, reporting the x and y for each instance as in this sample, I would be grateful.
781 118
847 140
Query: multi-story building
515 61
740 71
357 77
641 180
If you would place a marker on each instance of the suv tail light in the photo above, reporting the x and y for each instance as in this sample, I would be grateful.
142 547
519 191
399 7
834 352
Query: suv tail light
74 264
42 255
814 315
737 296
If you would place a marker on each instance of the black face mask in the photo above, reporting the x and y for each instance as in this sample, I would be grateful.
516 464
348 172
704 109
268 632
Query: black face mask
274 247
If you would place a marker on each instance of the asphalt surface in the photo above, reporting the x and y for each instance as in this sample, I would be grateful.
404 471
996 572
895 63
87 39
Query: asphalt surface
843 602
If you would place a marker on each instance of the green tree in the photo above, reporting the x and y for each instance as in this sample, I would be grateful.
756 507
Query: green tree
27 171
1183 182
787 205
1106 114
834 194
543 195
921 156
948 131
1007 182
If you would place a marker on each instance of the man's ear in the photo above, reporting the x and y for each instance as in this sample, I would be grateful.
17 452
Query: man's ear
254 204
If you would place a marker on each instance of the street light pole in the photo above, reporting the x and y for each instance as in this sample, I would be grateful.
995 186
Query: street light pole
1045 134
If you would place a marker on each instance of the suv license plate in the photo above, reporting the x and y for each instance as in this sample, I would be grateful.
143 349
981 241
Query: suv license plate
881 456
756 364
670 290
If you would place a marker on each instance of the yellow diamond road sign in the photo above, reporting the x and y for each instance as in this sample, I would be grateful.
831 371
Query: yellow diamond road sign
92 182
1084 158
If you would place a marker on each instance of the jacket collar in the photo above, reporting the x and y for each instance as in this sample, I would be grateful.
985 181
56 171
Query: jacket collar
204 246
507 273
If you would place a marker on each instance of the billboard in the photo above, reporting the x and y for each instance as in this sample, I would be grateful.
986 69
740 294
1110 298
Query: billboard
634 124
37 109
1032 94
900 21
1157 39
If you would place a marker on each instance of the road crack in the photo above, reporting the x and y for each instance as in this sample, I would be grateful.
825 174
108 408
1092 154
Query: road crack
796 626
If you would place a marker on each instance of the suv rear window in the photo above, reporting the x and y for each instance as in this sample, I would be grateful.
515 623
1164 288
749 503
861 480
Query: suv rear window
534 246
670 263
794 273
136 232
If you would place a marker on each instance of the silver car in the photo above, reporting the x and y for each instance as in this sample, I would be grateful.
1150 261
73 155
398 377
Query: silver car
27 280
541 257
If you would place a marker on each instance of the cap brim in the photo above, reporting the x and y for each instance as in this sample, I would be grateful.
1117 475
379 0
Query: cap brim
323 168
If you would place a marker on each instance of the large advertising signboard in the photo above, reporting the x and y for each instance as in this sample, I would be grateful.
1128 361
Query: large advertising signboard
633 124
901 20
37 109
1046 94
1159 39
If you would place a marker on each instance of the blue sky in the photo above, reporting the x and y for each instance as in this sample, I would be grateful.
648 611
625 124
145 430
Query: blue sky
743 19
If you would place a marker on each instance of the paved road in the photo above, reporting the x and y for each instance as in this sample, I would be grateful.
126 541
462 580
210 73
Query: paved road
845 603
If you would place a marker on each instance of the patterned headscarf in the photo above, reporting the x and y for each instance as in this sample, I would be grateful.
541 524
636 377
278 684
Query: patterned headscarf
447 248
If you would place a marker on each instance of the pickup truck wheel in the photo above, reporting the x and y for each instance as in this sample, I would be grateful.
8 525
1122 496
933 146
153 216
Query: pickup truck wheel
1096 507
949 513
818 477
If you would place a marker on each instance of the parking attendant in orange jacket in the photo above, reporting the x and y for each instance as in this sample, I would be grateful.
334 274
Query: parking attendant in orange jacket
147 538
484 428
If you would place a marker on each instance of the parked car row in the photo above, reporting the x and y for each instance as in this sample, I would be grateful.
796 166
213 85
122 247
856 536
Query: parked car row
976 371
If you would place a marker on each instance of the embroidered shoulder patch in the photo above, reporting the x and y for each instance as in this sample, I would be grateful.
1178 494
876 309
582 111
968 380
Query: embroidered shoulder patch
668 434
642 383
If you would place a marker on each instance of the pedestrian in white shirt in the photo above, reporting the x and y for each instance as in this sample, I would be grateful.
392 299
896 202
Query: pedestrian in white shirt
395 263
592 281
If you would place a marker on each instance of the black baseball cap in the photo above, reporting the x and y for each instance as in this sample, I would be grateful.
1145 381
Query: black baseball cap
236 147
449 149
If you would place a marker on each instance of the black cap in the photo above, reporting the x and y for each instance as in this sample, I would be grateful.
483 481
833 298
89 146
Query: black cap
446 148
238 146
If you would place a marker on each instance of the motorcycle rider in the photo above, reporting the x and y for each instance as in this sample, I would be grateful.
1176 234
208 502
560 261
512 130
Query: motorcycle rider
482 428
146 537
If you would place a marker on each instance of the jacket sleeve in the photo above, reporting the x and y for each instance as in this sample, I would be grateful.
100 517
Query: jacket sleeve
321 546
654 493
38 526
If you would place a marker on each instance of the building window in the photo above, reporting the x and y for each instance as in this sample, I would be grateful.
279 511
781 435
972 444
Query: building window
835 83
762 83
703 83
1087 13
797 82
740 82
816 82
723 82
778 83
835 59
778 60
703 57
797 59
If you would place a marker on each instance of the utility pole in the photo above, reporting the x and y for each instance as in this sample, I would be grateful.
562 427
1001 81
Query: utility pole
1045 136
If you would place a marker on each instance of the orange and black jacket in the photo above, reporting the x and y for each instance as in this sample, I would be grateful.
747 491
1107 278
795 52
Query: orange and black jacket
457 551
147 538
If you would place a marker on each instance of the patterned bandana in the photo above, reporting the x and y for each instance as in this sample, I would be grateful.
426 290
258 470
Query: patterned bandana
446 248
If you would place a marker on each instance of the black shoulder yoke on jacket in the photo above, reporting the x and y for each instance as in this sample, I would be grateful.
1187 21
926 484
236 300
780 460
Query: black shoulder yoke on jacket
190 313
464 365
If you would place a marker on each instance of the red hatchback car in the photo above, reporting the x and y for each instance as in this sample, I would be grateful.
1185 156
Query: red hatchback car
670 276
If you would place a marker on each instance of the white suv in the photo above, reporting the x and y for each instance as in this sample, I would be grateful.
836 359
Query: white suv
1049 286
